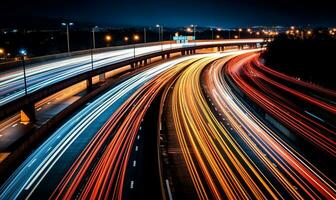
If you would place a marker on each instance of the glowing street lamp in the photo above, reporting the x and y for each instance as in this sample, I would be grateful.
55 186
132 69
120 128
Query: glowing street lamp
239 30
94 37
126 39
194 30
136 37
23 53
2 52
160 27
68 36
217 36
108 39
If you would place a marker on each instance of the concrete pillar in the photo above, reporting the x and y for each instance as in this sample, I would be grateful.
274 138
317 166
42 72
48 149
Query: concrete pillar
145 62
27 114
102 77
89 83
218 48
168 55
163 56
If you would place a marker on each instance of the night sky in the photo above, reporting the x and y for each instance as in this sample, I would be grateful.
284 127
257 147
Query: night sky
223 13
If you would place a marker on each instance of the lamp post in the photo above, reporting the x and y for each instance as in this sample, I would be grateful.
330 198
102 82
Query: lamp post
194 30
159 27
160 34
94 37
108 39
23 53
212 33
239 30
135 39
145 36
68 36
2 52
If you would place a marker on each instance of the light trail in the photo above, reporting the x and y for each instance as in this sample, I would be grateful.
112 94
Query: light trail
80 128
45 73
280 98
217 164
298 178
106 180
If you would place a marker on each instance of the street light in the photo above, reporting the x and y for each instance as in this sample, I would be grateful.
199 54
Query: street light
68 36
126 39
136 37
160 27
94 37
160 34
212 33
2 52
239 30
23 53
194 29
108 39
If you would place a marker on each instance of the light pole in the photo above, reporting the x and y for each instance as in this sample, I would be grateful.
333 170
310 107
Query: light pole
145 36
212 33
108 39
239 30
23 53
94 37
194 30
68 36
135 39
160 34
159 27
2 52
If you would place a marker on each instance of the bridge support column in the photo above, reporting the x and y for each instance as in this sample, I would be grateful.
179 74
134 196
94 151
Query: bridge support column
218 48
163 56
222 48
145 62
27 114
168 55
194 51
102 77
89 83
182 53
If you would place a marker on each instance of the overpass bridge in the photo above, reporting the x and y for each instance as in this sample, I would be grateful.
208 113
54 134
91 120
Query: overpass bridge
43 76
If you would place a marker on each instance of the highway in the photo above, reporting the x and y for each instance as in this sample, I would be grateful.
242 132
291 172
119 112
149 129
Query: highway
291 173
229 149
44 73
99 128
295 104
229 152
